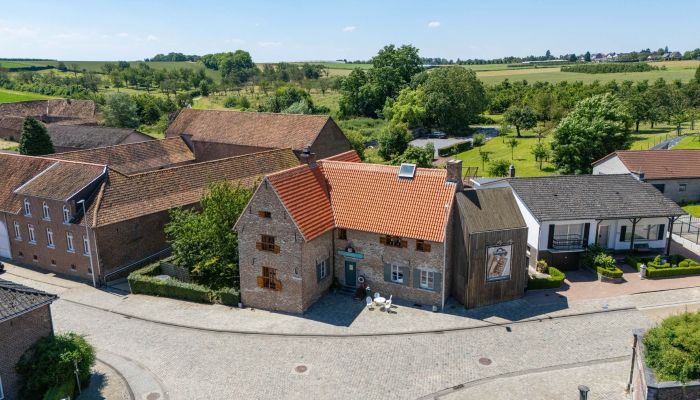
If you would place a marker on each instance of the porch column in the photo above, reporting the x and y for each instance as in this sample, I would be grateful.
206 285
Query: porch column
671 221
634 227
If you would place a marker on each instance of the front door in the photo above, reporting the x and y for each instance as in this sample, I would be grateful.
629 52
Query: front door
350 273
603 235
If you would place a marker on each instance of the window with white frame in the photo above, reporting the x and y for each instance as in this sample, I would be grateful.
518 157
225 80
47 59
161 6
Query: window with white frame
66 215
49 238
27 208
32 238
18 233
86 246
69 242
647 232
427 279
396 274
45 212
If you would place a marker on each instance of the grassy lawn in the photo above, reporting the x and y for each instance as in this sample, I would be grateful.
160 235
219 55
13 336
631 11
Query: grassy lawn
692 209
689 142
11 96
8 145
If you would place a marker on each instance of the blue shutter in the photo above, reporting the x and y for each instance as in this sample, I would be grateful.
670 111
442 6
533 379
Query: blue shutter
437 282
550 238
416 278
387 272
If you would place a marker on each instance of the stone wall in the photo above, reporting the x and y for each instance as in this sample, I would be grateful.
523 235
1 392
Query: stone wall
16 336
330 141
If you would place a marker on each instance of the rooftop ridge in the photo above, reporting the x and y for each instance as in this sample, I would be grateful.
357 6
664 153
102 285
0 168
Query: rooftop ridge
281 115
119 145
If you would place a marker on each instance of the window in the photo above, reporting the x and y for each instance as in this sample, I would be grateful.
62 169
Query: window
396 274
66 215
53 263
73 267
421 245
86 246
342 234
682 187
642 232
393 241
32 239
36 258
268 279
267 243
27 208
49 238
18 233
264 214
407 171
45 211
427 280
322 270
69 243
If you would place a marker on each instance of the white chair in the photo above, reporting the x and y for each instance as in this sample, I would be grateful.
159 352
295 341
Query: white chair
369 302
376 294
387 305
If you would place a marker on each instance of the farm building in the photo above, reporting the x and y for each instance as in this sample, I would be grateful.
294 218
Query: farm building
80 137
58 111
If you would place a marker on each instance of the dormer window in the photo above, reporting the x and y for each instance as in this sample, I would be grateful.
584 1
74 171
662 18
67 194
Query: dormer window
27 208
66 215
45 211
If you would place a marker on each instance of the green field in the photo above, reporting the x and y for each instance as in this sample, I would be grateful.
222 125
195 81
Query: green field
692 209
10 96
689 142
24 64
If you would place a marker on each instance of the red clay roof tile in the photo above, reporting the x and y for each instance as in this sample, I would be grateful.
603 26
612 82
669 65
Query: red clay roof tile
663 164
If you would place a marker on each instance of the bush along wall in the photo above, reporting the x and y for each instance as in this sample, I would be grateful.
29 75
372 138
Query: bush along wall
675 265
555 280
144 281
454 149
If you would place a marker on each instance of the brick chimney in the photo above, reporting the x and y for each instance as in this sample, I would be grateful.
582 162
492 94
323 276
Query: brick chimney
307 157
454 173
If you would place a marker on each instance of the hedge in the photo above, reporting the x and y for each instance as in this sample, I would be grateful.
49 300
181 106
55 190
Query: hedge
664 272
676 265
610 272
454 149
553 281
143 281
60 392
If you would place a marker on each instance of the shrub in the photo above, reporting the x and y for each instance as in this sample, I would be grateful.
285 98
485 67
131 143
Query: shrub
229 296
142 281
608 68
66 390
542 266
50 363
633 262
613 272
672 349
664 272
454 149
478 139
555 280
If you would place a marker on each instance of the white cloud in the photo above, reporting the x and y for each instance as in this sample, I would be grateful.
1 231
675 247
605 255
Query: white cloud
434 24
69 36
152 38
122 34
349 28
17 31
269 44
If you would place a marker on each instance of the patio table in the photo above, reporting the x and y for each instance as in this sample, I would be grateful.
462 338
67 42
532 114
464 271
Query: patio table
379 300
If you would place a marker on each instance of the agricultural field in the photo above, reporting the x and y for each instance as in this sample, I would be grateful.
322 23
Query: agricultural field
11 96
689 142
24 64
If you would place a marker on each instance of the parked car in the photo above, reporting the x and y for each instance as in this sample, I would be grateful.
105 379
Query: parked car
437 135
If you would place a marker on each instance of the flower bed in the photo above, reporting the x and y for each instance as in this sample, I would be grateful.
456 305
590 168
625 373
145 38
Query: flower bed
553 281
598 260
674 266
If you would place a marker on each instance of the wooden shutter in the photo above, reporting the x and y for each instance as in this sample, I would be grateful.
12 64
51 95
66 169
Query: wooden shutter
261 214
416 278
258 245
278 285
404 243
276 249
260 281
586 233
318 272
550 238
437 282
387 272
406 275
662 229
382 240
623 232
426 247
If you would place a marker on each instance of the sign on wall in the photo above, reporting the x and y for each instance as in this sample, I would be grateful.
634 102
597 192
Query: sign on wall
498 262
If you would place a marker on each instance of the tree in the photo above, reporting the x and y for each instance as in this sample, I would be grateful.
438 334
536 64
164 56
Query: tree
587 57
205 242
639 107
485 157
596 127
499 168
548 55
521 117
421 156
357 141
393 141
35 140
290 98
408 108
697 75
50 362
120 111
540 152
454 97
404 59
512 143
62 66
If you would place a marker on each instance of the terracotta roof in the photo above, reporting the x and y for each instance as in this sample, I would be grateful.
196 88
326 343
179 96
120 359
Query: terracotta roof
304 193
137 157
80 109
366 197
258 129
16 171
61 180
89 136
125 197
348 156
16 299
662 164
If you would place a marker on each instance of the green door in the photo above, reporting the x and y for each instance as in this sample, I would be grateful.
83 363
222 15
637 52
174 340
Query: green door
350 273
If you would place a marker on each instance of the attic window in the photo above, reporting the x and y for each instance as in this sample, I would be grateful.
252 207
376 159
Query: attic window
407 171
264 214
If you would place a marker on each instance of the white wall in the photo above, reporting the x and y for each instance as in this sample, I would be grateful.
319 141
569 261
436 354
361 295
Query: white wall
544 232
617 227
533 227
611 166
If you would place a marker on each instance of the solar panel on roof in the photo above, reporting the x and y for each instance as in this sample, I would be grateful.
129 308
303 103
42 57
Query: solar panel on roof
407 171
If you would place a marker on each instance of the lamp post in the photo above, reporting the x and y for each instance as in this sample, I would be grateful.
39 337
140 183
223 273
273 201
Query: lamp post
87 236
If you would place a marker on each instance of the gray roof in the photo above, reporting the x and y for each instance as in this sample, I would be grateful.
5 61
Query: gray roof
16 299
88 136
572 197
487 210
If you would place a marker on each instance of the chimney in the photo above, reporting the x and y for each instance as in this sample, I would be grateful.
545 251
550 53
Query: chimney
307 157
640 175
454 173
511 171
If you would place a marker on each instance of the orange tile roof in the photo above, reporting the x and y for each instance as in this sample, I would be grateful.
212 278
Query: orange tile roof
126 197
366 197
136 157
662 164
257 129
348 156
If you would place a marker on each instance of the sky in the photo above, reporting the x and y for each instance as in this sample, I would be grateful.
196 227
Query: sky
302 30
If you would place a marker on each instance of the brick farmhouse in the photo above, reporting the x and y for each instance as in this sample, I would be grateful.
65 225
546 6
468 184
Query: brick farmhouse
25 317
391 228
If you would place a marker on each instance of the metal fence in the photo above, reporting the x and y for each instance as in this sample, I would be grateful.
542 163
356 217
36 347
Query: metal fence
688 227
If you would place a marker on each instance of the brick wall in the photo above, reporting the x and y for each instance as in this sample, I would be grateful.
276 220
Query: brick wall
330 141
16 336
376 254
313 253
